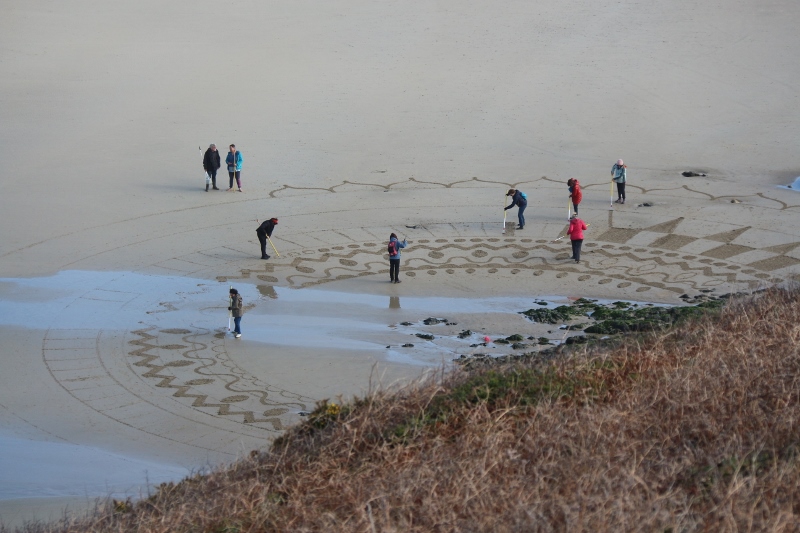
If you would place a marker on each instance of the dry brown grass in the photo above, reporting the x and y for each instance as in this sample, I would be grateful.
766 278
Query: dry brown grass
689 430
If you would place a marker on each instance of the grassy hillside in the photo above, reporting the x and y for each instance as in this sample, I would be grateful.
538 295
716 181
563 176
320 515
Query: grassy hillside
694 428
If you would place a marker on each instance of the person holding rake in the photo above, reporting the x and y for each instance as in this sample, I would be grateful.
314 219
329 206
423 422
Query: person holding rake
575 193
264 232
619 174
575 232
519 199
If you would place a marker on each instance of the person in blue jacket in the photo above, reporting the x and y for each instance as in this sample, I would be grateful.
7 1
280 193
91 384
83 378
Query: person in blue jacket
234 162
619 174
394 257
519 199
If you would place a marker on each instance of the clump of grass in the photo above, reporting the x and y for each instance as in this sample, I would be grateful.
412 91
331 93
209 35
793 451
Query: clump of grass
693 428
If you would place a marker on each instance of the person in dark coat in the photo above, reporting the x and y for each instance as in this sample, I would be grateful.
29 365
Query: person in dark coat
211 163
264 231
236 311
519 199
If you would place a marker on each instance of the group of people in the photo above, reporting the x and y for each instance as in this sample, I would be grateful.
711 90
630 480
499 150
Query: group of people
212 163
518 199
619 176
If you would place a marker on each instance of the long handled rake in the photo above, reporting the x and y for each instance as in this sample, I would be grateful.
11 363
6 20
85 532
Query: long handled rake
611 196
504 214
230 313
273 246
559 238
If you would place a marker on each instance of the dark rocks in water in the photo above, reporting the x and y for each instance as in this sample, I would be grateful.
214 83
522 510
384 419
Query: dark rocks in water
578 339
576 327
543 340
540 303
425 336
430 321
408 345
553 316
690 174
451 324
684 296
646 204
515 338
518 346
501 341
406 323
464 334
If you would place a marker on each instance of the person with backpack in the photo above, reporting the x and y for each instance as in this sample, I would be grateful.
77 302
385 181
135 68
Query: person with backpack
575 232
264 232
236 311
520 199
619 174
575 193
234 161
394 257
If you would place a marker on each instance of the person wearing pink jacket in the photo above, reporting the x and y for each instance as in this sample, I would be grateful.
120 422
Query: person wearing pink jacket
575 232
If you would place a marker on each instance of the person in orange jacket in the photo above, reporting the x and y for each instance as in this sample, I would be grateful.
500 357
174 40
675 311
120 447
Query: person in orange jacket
575 193
575 232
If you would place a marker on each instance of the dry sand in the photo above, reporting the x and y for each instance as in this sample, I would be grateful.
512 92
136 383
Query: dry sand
355 119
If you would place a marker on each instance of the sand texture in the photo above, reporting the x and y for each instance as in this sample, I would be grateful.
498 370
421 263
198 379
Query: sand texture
355 120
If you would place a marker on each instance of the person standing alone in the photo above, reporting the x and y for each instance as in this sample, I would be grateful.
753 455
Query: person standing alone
211 163
575 232
264 231
234 161
236 312
519 199
619 174
394 257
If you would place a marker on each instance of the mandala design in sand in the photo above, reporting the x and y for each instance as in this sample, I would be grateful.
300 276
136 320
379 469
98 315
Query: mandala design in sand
667 260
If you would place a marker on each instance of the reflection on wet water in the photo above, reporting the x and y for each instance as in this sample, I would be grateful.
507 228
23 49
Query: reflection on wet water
394 302
267 291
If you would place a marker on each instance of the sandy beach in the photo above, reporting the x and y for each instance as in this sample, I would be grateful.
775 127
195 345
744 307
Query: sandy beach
355 120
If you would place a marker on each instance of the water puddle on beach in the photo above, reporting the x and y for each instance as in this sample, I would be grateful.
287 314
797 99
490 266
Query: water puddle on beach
310 319
794 186
38 469
311 323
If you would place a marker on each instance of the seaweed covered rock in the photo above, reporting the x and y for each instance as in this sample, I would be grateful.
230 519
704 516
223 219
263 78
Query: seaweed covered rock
561 313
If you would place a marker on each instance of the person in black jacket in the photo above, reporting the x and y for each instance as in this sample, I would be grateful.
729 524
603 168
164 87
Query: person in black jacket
211 163
264 231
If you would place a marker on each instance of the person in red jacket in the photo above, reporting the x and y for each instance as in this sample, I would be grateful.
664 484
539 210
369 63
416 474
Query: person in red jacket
575 232
575 193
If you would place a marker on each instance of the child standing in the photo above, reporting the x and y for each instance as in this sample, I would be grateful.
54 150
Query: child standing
236 312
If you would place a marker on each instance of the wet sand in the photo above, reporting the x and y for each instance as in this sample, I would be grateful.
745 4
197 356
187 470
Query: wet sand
356 120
